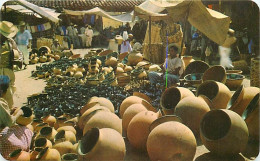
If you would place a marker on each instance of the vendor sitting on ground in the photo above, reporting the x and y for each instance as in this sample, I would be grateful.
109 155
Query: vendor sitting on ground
56 47
175 68
12 136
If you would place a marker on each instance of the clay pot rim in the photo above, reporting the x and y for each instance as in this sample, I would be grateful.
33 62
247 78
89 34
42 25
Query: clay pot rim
94 130
252 106
41 153
15 153
167 90
208 82
238 95
213 67
74 154
142 95
242 78
39 140
50 130
163 119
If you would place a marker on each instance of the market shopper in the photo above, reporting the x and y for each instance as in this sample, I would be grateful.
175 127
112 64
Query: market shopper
175 68
89 34
12 136
24 42
56 47
125 46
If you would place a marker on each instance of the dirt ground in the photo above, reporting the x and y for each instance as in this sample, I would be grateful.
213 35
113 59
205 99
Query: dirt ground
27 85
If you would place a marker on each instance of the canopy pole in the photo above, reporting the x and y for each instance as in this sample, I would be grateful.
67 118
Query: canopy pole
150 35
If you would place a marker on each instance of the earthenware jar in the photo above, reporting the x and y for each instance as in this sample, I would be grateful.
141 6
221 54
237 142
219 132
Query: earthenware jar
26 118
216 73
143 96
100 144
51 120
59 121
69 157
19 155
171 140
223 132
34 153
67 128
112 61
93 101
48 154
42 143
171 97
217 92
40 126
66 136
48 133
191 110
63 146
134 58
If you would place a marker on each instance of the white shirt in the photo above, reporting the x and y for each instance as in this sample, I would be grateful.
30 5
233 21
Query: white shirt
174 64
125 47
89 32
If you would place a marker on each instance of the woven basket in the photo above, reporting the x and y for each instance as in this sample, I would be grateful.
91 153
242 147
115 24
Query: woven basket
254 72
157 55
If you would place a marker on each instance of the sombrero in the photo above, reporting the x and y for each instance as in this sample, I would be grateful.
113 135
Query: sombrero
8 29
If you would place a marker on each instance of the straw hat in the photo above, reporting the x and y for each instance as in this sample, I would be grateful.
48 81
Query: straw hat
8 29
173 44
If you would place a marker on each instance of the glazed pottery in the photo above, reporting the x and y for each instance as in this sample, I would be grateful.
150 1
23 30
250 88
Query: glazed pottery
103 119
48 133
217 92
138 129
51 120
216 73
67 128
241 98
69 157
66 136
63 146
19 155
134 58
223 132
102 144
26 118
171 140
119 70
42 143
48 154
171 97
101 101
234 80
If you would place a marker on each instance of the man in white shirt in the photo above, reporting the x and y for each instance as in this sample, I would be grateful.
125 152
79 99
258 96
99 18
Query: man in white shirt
175 68
89 33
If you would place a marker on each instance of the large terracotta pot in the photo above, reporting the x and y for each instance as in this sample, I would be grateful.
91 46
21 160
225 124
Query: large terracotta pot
65 136
69 157
48 154
216 73
102 144
134 58
51 120
223 132
62 146
34 153
59 121
67 128
103 119
171 141
191 110
130 112
217 92
241 98
19 155
88 114
26 118
138 129
48 133
171 97
93 101
143 96
163 119
42 143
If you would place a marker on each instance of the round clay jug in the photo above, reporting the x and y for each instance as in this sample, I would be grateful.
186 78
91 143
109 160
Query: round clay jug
69 157
217 92
102 144
101 101
66 136
48 154
42 143
134 58
26 118
67 128
51 120
191 110
88 114
163 119
112 61
171 140
241 98
138 129
223 132
103 119
35 122
63 146
143 96
48 133
216 73
34 153
59 121
40 126
171 97
19 155
130 112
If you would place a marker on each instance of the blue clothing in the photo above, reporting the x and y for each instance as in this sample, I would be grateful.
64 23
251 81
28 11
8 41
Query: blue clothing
23 38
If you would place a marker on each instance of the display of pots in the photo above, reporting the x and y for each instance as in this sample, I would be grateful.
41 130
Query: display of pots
112 61
223 132
19 155
234 80
48 154
171 97
67 128
51 120
102 144
26 118
48 133
171 140
216 73
101 101
63 146
42 143
103 119
191 110
65 136
217 92
138 128
69 157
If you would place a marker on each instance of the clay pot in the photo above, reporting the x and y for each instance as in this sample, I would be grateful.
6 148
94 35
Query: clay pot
223 132
130 112
42 143
164 119
128 68
101 101
119 70
142 75
36 122
19 155
134 58
217 92
65 136
88 113
112 61
40 126
187 60
48 133
171 140
26 118
191 110
234 71
51 120
67 128
251 117
105 52
138 129
75 148
234 80
241 98
216 73
59 121
34 153
63 146
69 157
143 96
102 144
171 97
196 66
103 119
78 75
48 154
194 79
29 126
